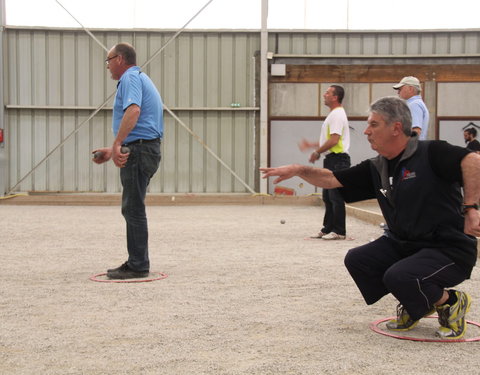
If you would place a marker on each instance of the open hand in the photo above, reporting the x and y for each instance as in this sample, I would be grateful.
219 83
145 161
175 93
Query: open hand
283 173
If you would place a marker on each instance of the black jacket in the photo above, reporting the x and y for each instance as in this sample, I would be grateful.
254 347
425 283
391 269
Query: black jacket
421 209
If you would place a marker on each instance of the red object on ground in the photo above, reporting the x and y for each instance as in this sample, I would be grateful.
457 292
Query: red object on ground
281 190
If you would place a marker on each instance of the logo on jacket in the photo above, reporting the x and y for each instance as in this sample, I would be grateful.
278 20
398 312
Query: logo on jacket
407 175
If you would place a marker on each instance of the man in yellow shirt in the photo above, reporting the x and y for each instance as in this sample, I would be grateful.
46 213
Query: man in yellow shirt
334 143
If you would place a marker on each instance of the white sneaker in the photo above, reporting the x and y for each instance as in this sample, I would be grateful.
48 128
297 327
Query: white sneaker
333 236
319 235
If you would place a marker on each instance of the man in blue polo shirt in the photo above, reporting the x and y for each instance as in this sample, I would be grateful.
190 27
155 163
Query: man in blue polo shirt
138 124
409 89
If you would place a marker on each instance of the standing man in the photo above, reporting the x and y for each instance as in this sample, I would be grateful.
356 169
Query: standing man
138 124
409 89
430 242
470 139
334 143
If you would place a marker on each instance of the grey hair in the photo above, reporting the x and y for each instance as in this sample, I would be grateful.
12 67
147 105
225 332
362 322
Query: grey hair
127 52
393 109
418 89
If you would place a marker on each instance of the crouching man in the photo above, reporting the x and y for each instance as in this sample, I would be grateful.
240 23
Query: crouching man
430 244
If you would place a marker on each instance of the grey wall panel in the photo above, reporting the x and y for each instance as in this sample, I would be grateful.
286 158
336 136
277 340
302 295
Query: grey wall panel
355 45
326 45
68 64
39 65
69 167
471 43
197 154
198 80
451 99
311 43
53 164
369 44
457 43
227 53
212 98
24 62
169 163
39 136
212 139
341 44
241 70
53 92
295 99
379 90
427 44
9 68
357 98
226 151
442 43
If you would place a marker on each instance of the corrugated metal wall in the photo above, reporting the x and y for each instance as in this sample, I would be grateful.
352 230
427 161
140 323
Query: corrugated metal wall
55 79
377 43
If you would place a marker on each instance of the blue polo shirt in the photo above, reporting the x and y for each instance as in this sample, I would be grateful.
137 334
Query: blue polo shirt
420 115
135 87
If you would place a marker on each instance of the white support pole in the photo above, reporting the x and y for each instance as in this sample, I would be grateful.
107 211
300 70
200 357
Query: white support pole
3 150
264 96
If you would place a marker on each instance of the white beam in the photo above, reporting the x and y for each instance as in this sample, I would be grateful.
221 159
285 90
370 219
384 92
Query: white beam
3 151
264 95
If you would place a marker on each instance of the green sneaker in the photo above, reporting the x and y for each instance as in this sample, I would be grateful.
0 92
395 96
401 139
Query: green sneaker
403 321
452 318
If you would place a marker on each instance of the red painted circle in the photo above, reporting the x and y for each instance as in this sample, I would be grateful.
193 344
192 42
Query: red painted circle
156 276
374 327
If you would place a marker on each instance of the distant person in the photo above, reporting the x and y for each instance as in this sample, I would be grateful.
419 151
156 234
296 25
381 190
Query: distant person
470 135
409 89
138 124
430 245
334 143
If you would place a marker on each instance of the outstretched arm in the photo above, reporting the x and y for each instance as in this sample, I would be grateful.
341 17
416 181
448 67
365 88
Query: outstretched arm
471 189
321 177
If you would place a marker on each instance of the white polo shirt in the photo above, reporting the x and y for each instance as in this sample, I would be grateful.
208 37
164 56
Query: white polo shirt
336 123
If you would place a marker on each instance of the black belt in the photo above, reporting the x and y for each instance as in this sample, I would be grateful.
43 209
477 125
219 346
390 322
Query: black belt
140 141
336 154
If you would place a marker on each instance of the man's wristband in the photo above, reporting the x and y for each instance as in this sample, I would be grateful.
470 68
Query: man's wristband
317 154
467 207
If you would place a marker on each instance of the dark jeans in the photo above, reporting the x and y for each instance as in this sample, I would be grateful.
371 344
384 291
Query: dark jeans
417 280
334 219
142 164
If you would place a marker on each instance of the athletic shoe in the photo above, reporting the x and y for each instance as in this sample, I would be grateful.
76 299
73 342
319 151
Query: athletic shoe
333 236
452 318
125 272
319 235
404 322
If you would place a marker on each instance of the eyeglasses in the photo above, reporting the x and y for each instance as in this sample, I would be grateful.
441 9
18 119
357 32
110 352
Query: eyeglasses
107 61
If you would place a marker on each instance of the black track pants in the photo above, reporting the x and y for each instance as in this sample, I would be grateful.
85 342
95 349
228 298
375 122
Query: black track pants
416 280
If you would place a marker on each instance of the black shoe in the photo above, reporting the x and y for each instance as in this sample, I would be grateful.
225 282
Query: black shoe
125 272
118 268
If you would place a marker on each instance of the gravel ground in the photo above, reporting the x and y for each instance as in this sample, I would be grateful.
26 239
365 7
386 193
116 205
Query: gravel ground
245 294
